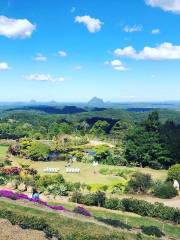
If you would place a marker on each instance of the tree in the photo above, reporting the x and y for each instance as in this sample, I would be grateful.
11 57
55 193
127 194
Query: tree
174 173
139 183
100 128
144 146
38 151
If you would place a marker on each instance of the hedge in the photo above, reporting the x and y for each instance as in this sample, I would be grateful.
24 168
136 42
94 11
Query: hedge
140 207
29 222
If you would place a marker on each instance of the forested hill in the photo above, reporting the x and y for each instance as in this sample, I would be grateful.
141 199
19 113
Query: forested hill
73 113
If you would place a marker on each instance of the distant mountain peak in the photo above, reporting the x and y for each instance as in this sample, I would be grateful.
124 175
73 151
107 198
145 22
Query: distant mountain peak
95 101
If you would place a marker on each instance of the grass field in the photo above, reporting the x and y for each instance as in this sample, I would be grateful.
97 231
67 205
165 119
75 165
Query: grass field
134 220
3 151
87 174
68 226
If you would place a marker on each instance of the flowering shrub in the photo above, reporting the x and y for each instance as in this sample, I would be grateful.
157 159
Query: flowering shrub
10 171
16 196
31 171
61 208
83 211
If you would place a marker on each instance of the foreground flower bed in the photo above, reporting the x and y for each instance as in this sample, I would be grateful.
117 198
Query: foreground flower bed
16 196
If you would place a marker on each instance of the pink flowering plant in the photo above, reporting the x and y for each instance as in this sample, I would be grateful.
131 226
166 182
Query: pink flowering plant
17 196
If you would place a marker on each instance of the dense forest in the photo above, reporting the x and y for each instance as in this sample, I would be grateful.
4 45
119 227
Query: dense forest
145 138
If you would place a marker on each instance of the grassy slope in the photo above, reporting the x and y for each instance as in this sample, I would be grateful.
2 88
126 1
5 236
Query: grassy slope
171 230
68 226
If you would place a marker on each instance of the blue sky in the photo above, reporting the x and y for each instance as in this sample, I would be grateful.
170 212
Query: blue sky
72 50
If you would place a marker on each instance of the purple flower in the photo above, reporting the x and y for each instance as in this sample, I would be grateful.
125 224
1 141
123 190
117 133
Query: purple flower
17 196
21 196
61 208
82 211
7 194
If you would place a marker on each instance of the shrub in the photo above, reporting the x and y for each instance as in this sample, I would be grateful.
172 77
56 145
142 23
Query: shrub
158 210
174 173
10 171
139 183
164 190
3 180
76 197
1 164
57 189
82 211
7 162
47 180
31 222
152 231
114 204
38 151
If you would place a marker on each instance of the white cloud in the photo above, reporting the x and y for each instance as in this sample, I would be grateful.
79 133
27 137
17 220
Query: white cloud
164 51
116 65
4 66
155 31
127 51
62 53
78 67
43 77
166 5
93 24
40 57
131 29
16 28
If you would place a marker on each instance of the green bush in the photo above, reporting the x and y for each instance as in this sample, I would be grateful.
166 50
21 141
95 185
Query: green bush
152 231
158 210
3 180
58 189
38 151
114 204
48 180
139 183
29 222
174 173
164 190
91 199
140 207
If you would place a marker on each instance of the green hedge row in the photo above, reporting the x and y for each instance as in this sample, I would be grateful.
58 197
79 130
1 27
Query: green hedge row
29 222
140 207
158 210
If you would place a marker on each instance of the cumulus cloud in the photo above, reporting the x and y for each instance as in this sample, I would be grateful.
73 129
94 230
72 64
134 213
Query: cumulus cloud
16 28
155 31
166 5
62 53
164 51
93 24
116 65
131 29
40 57
4 66
43 77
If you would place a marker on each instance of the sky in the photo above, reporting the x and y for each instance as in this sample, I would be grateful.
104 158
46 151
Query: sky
73 50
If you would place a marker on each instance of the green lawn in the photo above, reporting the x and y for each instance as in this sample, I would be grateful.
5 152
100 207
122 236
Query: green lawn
87 174
3 151
134 220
